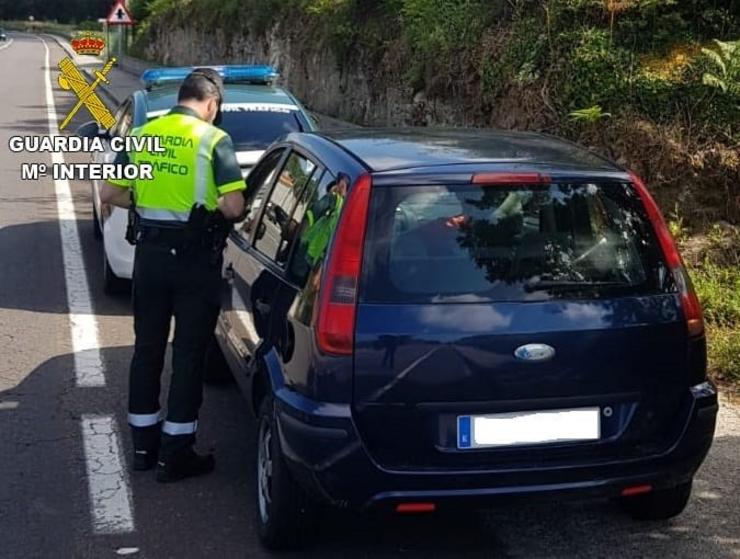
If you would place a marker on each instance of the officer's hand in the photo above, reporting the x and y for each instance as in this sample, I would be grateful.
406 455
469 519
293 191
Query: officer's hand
232 205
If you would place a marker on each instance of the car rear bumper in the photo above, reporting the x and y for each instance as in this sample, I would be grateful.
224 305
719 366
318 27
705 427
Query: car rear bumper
328 458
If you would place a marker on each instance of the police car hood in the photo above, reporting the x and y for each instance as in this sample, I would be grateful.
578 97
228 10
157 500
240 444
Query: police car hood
247 159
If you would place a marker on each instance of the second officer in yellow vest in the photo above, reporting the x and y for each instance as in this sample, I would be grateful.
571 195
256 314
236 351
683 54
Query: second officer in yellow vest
177 270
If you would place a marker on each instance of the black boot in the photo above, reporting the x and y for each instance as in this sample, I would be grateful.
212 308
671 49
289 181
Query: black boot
183 464
146 446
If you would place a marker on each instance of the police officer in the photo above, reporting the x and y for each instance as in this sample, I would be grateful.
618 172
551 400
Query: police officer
177 269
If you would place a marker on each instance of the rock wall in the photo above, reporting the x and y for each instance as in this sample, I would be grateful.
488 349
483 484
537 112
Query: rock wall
371 88
358 90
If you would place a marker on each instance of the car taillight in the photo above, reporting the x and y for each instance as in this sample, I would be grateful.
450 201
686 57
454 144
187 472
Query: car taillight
689 300
335 332
415 508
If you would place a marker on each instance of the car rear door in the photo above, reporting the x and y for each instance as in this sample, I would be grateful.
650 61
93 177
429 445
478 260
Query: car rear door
479 300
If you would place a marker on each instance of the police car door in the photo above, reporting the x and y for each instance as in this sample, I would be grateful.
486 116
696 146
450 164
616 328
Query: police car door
124 122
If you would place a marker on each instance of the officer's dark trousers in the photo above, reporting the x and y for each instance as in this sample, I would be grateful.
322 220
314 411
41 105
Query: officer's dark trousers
170 279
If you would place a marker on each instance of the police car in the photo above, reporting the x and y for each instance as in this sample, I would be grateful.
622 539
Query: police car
255 113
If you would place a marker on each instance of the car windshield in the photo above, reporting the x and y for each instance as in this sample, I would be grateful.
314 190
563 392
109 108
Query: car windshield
467 243
254 126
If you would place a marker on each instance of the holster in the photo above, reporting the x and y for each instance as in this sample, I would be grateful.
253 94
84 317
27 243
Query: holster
208 229
132 226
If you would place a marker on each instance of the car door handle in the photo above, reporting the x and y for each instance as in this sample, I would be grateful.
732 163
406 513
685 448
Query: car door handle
262 306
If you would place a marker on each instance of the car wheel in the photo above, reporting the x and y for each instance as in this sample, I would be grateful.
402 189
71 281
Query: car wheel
97 231
216 369
286 517
112 284
658 505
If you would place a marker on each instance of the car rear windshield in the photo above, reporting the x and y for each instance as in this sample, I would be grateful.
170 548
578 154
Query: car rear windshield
253 129
509 243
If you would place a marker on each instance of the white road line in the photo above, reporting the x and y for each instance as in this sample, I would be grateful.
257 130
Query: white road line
6 45
109 492
88 364
110 496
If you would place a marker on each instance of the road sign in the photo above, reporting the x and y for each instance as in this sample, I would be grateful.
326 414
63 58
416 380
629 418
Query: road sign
119 15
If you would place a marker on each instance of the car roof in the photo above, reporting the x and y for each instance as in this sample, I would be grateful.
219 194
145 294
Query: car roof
383 150
161 98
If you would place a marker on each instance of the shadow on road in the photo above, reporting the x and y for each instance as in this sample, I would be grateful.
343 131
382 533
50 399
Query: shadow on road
44 483
32 264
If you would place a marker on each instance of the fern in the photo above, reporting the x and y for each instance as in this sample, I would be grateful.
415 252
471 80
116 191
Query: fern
589 115
726 62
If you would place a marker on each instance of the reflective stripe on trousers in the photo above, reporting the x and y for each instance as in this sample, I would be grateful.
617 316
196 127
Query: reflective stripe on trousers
172 428
143 419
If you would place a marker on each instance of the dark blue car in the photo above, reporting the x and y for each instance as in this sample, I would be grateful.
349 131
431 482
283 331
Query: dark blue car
428 318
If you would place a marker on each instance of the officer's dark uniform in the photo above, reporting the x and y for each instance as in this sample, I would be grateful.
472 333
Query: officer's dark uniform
176 273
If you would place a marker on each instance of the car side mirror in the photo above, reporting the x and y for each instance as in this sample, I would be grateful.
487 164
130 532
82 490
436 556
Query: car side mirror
91 130
261 230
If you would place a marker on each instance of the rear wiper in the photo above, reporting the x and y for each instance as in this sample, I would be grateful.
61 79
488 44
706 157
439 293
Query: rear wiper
573 285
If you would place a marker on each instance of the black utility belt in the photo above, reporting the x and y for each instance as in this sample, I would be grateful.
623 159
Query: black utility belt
173 235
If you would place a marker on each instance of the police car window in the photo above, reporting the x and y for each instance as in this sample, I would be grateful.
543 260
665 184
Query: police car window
258 187
253 126
124 118
277 226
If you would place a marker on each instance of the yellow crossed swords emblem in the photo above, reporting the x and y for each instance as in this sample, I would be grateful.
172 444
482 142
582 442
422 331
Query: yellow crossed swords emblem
72 78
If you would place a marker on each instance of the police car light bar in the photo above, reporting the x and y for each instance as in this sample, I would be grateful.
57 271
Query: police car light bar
256 74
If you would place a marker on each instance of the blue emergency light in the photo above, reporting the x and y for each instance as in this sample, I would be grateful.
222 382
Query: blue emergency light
255 74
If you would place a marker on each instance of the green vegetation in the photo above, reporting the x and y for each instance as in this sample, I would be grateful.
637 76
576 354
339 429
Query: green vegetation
66 12
719 290
713 258
726 60
62 29
654 84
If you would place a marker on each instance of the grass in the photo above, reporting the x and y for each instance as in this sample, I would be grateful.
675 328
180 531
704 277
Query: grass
718 287
714 264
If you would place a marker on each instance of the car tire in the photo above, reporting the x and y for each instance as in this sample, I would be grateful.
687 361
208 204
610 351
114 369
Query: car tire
216 369
658 505
97 231
286 516
112 284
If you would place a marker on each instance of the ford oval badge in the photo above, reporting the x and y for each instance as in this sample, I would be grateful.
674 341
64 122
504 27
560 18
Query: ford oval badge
534 352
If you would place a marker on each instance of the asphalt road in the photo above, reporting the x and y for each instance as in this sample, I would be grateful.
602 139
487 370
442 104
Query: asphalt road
46 505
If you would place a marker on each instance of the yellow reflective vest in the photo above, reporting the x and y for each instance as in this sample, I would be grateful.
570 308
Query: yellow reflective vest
183 174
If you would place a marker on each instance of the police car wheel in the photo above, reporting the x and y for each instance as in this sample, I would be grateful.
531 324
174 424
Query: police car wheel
112 284
660 504
216 370
285 514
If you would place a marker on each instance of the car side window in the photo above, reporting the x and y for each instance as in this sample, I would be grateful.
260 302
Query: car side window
278 228
259 183
304 201
316 231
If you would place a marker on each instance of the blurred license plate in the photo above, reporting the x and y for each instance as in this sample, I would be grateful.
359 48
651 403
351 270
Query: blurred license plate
531 427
